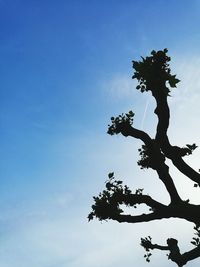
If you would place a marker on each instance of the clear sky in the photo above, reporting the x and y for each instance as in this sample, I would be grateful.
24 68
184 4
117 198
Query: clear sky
65 70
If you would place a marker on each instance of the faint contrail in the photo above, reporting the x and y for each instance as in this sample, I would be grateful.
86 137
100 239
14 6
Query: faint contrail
144 115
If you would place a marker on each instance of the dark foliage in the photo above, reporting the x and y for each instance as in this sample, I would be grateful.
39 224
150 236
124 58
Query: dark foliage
153 74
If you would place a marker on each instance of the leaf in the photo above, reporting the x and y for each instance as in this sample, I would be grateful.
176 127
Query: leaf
90 216
131 113
110 175
173 81
108 186
192 147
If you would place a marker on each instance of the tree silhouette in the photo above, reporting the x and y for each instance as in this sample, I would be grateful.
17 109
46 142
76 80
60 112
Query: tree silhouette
153 74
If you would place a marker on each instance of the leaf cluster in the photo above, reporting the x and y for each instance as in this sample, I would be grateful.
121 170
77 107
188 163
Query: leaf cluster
145 160
153 72
196 240
146 244
191 148
106 204
120 122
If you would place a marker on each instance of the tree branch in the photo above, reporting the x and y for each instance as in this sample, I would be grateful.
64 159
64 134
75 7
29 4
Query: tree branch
163 173
139 218
152 155
132 199
172 152
191 255
123 124
107 204
172 246
183 167
128 130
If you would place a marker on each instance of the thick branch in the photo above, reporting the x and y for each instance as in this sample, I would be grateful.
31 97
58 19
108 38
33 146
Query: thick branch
191 255
128 130
183 167
171 152
163 173
139 218
163 113
132 199
182 210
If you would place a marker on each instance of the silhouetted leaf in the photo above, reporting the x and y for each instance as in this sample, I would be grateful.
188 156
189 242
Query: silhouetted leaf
111 174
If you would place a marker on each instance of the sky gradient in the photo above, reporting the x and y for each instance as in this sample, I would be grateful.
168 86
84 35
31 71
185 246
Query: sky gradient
65 70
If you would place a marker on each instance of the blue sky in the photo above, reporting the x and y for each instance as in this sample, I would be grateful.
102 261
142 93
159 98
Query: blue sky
65 70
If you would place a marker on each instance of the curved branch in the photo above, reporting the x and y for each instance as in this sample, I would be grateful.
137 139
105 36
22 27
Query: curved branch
128 130
171 152
163 113
139 218
183 167
132 199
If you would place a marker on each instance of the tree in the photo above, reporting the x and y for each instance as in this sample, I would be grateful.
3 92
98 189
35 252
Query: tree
153 74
